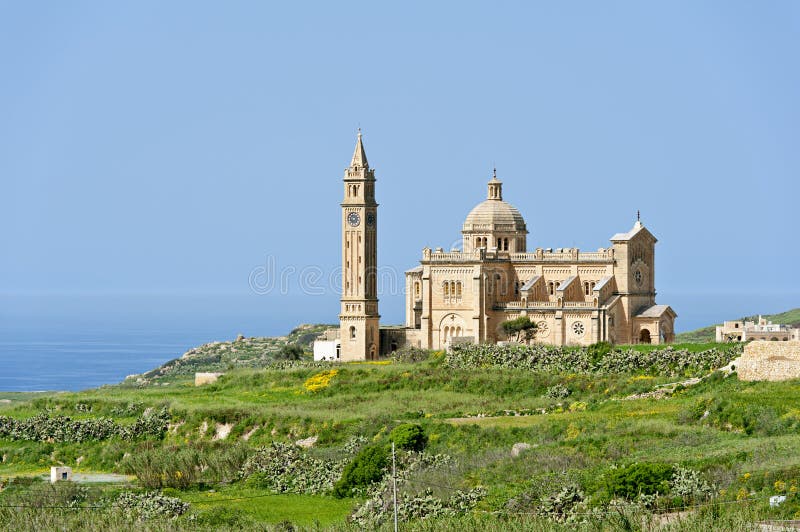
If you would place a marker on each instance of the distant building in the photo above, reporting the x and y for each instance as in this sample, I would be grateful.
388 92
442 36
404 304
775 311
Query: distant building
60 474
745 331
328 346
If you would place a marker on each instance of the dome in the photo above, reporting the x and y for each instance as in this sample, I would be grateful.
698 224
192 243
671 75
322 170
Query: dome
495 215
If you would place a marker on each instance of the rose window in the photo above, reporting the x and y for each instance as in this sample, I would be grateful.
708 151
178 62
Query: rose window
578 328
542 329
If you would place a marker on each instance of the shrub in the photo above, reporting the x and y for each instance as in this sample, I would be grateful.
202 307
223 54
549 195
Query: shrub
561 506
174 467
689 484
62 429
409 436
557 391
287 468
521 328
638 479
599 350
150 505
289 352
410 354
378 507
557 359
368 467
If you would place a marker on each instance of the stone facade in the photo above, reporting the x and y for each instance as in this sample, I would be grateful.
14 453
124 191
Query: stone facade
358 317
769 361
575 297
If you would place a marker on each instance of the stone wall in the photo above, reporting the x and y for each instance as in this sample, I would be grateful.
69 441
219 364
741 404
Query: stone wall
769 361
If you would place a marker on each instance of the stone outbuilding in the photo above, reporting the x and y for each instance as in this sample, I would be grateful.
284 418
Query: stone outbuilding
60 474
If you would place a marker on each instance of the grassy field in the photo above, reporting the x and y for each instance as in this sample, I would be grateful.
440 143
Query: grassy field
742 437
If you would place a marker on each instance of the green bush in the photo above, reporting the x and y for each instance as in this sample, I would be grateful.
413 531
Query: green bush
409 436
289 352
368 466
640 478
287 468
150 505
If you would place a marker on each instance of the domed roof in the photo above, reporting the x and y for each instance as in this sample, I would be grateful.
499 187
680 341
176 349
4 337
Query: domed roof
494 214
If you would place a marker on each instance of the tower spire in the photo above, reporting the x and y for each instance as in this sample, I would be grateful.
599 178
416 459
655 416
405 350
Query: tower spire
359 156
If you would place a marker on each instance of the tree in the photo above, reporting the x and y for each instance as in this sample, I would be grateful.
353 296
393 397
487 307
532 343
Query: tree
521 328
409 436
289 352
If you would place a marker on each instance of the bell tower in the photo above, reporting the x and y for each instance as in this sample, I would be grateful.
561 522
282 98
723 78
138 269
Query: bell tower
359 318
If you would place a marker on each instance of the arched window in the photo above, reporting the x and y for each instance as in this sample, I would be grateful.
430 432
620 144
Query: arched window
485 242
586 288
416 289
446 289
505 244
458 289
551 288
478 242
352 333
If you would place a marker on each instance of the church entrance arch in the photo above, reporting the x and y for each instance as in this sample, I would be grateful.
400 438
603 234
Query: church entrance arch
644 336
451 326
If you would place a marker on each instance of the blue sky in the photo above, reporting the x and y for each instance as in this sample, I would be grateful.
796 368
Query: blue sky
169 149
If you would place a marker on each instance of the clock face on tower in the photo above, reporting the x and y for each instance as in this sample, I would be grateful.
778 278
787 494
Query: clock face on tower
353 219
370 219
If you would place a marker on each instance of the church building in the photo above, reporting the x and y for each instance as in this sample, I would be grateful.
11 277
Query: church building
574 297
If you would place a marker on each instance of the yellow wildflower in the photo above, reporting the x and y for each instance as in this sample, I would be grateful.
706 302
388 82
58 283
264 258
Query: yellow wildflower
320 380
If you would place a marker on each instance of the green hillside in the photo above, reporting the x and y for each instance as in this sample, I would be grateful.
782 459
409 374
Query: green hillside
707 334
512 438
252 352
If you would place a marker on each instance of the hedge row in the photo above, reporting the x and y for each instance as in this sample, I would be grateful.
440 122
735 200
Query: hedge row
667 361
63 429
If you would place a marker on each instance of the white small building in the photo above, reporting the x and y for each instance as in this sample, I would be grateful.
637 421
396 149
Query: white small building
327 350
745 331
60 474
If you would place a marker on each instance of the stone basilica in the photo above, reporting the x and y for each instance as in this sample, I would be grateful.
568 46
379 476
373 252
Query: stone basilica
574 297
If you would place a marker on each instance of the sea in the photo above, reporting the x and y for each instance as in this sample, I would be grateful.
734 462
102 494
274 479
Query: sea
52 343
